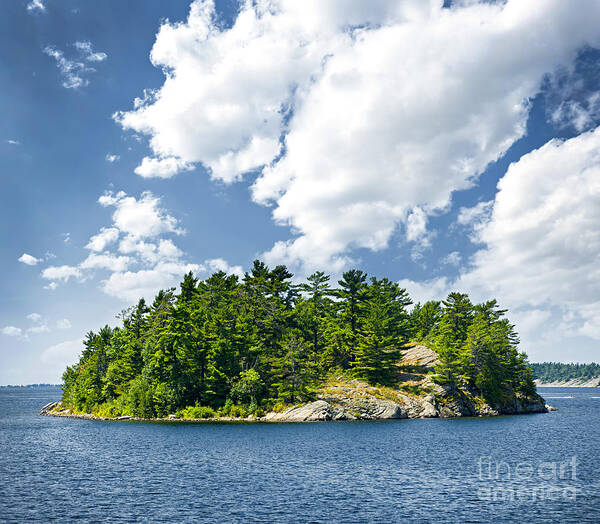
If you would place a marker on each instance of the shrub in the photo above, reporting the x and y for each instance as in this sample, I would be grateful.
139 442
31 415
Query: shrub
197 411
237 412
112 408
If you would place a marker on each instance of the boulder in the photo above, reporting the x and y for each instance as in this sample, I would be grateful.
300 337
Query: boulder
318 410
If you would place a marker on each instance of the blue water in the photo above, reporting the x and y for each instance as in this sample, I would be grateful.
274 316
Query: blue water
389 471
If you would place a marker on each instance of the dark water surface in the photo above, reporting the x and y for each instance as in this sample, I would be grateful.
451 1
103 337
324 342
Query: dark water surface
462 470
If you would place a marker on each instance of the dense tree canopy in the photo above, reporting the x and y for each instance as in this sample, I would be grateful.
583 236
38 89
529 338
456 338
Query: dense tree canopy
234 346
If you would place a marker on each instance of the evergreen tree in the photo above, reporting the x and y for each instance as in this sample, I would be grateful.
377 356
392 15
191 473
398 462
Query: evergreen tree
346 330
385 328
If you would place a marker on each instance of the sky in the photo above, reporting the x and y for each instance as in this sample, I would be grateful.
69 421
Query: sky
449 146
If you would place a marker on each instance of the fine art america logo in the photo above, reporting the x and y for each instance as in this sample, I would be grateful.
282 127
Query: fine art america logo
527 481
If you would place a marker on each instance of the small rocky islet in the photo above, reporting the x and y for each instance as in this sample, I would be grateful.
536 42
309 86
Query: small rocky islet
340 398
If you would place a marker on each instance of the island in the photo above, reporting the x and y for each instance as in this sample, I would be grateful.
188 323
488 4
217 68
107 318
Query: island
267 348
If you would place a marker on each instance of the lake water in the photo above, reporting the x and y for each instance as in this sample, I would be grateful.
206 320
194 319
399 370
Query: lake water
464 470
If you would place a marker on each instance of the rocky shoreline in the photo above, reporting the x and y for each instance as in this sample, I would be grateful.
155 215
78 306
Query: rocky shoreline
341 398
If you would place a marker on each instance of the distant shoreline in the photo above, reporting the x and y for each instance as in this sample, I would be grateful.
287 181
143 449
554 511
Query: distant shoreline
593 383
30 386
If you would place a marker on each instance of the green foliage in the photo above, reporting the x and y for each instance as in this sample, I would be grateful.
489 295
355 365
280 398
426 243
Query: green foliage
247 388
230 347
424 319
384 328
197 411
478 346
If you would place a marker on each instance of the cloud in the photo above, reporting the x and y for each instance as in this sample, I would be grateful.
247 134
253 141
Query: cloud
475 218
71 70
101 240
36 6
150 252
349 145
66 237
75 70
85 48
139 218
13 142
11 331
161 167
572 97
132 285
29 259
39 327
135 252
479 213
34 317
51 286
63 323
106 261
542 241
452 259
112 158
63 273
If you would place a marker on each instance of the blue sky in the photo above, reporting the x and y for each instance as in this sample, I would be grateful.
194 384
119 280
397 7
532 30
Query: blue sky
446 147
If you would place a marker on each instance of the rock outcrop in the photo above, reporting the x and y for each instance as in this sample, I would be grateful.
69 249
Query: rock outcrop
416 397
48 407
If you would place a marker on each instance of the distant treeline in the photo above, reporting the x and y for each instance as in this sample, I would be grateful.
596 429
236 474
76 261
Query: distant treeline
30 386
560 372
232 346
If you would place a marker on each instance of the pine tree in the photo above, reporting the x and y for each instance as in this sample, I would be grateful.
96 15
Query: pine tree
352 295
385 329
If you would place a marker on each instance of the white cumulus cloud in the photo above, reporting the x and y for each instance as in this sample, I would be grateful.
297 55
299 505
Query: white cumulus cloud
106 261
543 240
101 240
135 252
141 217
29 260
132 285
63 273
385 108
161 167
